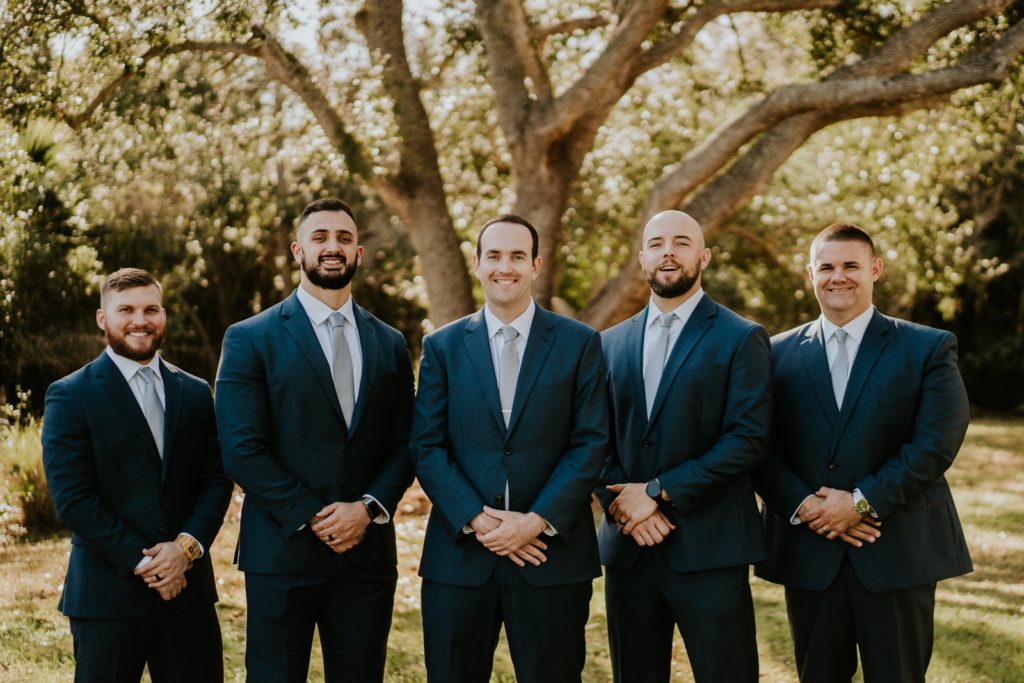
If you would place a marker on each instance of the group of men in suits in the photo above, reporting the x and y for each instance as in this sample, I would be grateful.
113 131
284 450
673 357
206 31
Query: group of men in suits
520 414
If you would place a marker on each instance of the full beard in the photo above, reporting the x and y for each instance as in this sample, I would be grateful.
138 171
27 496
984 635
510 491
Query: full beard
324 280
673 288
120 345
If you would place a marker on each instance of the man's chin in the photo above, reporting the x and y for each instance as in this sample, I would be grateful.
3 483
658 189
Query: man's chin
140 354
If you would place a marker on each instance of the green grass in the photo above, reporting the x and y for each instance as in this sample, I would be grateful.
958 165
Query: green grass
979 618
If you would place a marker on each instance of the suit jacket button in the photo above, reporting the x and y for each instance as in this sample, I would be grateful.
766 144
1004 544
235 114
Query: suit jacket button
499 499
832 467
508 450
647 444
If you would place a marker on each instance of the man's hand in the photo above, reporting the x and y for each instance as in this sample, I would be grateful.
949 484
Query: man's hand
652 530
172 589
864 531
515 531
341 525
531 552
483 523
168 564
831 513
631 506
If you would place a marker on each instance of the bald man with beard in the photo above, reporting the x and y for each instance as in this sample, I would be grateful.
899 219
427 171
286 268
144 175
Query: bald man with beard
690 389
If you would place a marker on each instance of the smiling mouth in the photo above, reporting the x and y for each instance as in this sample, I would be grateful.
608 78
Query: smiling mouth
332 261
140 333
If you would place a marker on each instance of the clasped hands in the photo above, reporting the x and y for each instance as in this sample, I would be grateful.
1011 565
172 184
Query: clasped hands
515 535
165 572
831 513
639 514
341 526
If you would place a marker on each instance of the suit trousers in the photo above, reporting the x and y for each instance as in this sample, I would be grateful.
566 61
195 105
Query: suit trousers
176 644
713 610
544 626
351 607
894 630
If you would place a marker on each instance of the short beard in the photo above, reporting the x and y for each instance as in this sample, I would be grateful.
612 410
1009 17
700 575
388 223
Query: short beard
670 290
120 346
323 280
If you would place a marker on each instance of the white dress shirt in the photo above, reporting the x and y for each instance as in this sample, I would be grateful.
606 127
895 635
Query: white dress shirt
522 325
855 330
683 313
130 369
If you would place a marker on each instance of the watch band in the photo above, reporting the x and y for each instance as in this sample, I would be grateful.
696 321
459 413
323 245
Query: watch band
193 551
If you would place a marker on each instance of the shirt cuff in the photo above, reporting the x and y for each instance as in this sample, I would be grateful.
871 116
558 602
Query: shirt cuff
384 517
795 518
146 559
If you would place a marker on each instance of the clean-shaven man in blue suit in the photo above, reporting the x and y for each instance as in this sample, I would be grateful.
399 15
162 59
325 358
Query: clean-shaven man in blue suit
690 387
133 466
870 411
314 397
509 432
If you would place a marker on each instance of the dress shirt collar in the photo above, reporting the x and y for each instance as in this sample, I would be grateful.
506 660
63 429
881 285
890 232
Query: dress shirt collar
319 312
855 328
522 324
129 367
683 311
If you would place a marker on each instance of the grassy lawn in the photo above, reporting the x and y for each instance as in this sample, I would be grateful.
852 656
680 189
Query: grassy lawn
979 617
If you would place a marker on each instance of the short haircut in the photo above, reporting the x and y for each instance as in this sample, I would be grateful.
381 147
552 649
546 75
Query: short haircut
127 278
844 232
510 218
325 204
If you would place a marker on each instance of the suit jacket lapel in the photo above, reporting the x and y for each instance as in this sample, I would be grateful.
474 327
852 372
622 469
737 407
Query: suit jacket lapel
478 348
299 327
635 365
812 351
173 397
114 383
538 344
876 337
699 323
371 361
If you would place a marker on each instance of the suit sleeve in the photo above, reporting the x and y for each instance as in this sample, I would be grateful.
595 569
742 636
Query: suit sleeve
208 513
243 420
612 471
396 474
573 479
746 421
441 477
71 476
940 424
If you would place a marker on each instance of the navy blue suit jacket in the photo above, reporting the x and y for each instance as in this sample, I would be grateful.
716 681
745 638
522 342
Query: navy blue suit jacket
904 416
286 443
708 429
112 489
550 453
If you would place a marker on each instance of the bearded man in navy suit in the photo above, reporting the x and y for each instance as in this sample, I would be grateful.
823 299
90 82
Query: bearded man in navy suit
689 382
508 435
314 397
133 465
870 411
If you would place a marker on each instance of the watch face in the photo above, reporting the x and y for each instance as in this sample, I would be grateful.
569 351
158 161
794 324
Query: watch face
654 489
862 506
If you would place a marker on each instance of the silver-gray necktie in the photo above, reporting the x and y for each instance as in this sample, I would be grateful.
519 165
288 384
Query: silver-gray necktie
152 407
656 358
344 384
508 371
840 367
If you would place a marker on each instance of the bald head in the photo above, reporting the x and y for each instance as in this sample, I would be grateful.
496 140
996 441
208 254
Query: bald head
673 256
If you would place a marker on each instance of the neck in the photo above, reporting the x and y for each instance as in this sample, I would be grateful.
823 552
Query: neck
507 314
665 305
841 318
335 298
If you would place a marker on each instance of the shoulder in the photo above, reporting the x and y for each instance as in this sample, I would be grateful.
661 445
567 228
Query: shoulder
729 320
187 378
74 381
791 336
450 333
386 331
563 324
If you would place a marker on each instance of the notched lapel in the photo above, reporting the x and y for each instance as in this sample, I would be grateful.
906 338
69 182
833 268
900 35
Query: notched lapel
538 345
696 327
300 329
812 352
478 348
173 399
876 337
114 383
370 346
635 365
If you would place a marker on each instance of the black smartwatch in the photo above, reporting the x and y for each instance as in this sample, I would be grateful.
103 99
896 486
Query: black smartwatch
373 508
654 489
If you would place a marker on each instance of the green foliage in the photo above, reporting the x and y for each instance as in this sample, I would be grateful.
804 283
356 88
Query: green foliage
26 509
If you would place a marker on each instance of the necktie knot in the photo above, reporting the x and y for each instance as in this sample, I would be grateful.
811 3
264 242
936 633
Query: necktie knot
840 334
509 333
666 320
147 375
336 320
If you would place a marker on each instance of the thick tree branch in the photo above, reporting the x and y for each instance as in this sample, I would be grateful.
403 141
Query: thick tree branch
569 25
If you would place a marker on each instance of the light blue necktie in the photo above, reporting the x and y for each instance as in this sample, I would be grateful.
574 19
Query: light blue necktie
840 367
341 372
656 358
152 408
